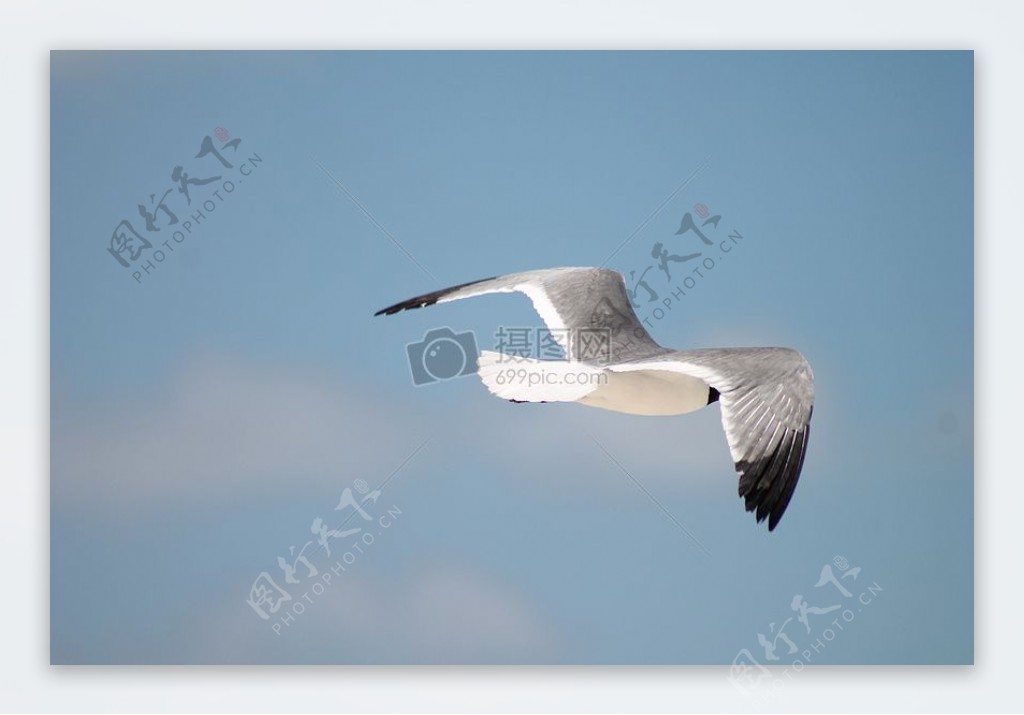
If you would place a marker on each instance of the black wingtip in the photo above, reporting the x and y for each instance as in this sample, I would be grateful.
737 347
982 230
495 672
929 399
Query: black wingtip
422 301
782 502
768 485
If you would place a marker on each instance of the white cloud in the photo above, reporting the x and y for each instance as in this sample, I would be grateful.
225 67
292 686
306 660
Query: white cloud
441 612
223 427
220 427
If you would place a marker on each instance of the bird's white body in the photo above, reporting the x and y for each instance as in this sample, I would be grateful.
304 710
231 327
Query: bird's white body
640 392
649 392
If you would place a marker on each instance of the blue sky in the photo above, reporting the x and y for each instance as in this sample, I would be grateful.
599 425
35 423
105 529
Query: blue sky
204 416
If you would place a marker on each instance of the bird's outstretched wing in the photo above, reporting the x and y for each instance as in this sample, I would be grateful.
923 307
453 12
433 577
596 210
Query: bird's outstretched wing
767 396
587 310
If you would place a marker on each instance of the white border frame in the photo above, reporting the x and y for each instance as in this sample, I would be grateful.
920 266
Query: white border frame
29 31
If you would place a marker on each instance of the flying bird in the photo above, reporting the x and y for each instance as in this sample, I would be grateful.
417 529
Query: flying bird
766 394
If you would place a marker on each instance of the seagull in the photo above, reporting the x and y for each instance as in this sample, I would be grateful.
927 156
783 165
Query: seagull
766 394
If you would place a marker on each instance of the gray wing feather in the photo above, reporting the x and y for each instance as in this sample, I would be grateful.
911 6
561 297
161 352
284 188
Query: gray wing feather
590 303
767 397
